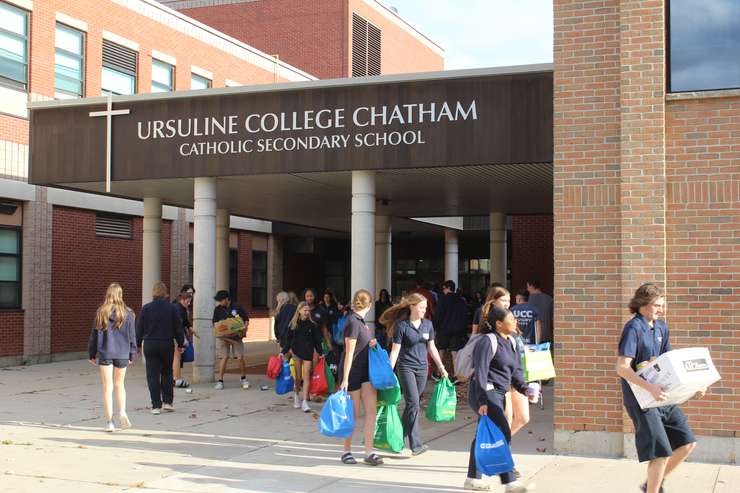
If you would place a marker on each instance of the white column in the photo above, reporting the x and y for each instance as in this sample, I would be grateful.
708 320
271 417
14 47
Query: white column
222 250
363 232
451 256
383 244
151 247
498 247
204 279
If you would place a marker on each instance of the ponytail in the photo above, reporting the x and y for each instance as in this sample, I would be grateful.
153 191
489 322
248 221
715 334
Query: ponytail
398 312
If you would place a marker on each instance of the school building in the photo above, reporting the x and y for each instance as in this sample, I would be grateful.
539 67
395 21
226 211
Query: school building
324 145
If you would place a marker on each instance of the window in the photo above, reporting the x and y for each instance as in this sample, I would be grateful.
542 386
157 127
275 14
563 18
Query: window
259 279
119 69
163 76
198 82
366 43
68 63
704 42
13 47
10 268
113 226
233 273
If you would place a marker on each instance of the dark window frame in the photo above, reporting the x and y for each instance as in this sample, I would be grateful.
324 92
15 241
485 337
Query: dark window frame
196 76
172 76
255 289
12 83
120 69
19 256
75 55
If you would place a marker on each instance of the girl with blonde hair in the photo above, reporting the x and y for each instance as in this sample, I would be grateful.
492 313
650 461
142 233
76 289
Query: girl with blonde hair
355 375
302 339
412 336
112 347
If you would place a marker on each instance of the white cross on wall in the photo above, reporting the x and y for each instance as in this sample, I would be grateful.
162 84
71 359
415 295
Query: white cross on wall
109 113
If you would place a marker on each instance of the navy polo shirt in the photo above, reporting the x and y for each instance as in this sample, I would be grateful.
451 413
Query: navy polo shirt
320 316
413 343
526 315
642 343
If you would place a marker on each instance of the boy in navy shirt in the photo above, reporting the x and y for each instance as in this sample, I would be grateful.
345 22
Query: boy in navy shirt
527 318
662 434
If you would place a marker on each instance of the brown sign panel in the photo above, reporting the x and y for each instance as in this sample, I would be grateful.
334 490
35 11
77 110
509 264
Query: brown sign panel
491 119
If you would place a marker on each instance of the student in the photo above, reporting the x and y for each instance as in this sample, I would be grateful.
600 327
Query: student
490 292
232 344
662 435
159 324
494 375
283 313
329 303
302 339
451 323
543 302
319 315
354 369
112 346
413 340
182 303
381 305
528 318
421 289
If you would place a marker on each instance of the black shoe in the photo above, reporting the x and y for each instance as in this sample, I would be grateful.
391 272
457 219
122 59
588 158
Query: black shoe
347 458
373 459
643 488
420 450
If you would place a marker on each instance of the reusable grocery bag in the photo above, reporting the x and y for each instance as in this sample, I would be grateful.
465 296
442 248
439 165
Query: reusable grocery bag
284 382
337 416
388 429
537 365
331 383
492 453
318 384
188 356
381 373
292 368
443 404
391 396
274 365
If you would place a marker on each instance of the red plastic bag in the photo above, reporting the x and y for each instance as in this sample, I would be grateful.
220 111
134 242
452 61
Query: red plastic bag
319 385
274 365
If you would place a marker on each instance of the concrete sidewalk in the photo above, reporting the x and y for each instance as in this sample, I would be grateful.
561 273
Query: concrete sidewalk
236 440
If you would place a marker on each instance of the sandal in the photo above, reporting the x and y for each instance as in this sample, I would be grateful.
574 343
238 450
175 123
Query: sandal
347 458
373 459
182 385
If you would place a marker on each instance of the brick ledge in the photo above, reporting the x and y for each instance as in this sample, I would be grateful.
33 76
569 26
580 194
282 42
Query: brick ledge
683 96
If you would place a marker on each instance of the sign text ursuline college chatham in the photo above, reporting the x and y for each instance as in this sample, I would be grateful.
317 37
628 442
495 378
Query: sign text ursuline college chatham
271 132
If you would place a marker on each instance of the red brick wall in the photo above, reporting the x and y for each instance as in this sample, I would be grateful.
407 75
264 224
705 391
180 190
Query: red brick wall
531 251
14 129
11 332
259 318
309 35
83 267
703 255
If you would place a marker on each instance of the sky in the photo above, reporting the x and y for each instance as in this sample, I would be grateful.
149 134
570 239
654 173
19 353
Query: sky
484 33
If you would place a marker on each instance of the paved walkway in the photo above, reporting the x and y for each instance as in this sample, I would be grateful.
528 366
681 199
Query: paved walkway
237 440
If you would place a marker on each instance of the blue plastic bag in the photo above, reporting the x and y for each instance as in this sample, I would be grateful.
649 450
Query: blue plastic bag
337 416
492 453
381 373
337 330
284 381
188 356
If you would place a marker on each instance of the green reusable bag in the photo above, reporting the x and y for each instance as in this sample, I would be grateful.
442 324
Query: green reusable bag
389 397
330 382
388 429
537 365
443 403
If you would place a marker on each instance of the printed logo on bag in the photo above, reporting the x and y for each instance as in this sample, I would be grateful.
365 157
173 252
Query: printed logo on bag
496 444
696 365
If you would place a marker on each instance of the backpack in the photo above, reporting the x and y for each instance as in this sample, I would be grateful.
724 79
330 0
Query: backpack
464 365
337 330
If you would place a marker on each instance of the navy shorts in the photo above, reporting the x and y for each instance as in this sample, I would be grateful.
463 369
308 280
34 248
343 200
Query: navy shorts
118 363
659 431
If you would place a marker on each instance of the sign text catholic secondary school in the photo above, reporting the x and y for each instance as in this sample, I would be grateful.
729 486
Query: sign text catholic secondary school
337 128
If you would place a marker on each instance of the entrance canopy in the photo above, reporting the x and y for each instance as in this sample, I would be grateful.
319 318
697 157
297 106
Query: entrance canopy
442 144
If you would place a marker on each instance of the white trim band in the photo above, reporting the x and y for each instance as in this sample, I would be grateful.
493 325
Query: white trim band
232 83
71 22
164 57
202 72
24 4
120 40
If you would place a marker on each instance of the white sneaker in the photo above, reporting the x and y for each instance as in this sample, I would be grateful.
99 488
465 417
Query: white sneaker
110 427
517 487
245 383
219 385
305 407
168 407
125 422
156 410
476 485
296 401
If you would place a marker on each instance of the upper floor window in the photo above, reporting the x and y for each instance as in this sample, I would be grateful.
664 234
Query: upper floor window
69 63
366 44
163 76
10 267
13 47
119 69
198 82
704 45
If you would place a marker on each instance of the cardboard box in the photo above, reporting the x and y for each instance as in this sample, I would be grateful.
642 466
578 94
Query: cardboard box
231 327
681 373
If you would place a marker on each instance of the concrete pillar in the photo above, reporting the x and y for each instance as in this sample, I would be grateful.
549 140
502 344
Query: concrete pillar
151 255
452 259
498 247
363 230
204 278
222 250
383 244
180 241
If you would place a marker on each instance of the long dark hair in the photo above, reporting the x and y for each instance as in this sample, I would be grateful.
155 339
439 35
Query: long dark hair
495 314
398 312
